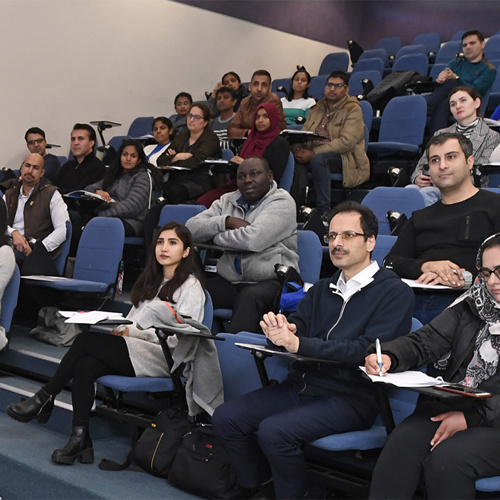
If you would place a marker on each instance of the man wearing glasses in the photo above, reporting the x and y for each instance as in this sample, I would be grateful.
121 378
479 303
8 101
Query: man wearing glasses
36 142
265 430
438 244
340 147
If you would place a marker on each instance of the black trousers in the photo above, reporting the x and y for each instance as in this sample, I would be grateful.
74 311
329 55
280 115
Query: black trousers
91 356
438 108
448 472
248 301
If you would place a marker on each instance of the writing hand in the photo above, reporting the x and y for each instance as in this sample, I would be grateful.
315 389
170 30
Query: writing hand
372 367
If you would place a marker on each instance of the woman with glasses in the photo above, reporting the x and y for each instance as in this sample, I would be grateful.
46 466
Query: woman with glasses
189 177
454 441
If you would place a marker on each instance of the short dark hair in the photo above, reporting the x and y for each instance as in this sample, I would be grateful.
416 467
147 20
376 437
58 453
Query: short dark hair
88 128
369 222
183 94
231 73
34 130
339 74
439 139
261 72
229 90
166 121
473 32
204 109
264 163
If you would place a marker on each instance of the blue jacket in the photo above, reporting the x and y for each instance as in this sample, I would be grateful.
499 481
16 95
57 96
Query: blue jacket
330 328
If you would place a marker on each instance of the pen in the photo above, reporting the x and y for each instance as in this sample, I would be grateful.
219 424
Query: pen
379 357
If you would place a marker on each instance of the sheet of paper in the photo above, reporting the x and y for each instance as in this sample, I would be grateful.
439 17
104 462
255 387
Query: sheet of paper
406 379
91 317
39 277
414 284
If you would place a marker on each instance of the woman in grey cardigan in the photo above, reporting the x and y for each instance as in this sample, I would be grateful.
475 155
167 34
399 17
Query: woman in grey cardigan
128 187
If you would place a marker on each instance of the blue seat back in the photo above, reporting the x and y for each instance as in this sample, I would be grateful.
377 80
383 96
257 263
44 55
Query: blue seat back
310 253
492 48
60 260
179 213
100 250
367 110
411 49
431 41
284 82
9 300
404 120
390 44
436 69
317 88
142 125
227 154
287 177
383 246
448 51
382 199
336 61
355 85
375 53
239 371
458 35
412 62
373 64
116 141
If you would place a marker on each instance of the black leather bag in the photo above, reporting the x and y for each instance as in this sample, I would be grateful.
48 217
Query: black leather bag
203 467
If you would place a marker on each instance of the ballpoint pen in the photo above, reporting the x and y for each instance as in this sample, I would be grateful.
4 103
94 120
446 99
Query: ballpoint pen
379 357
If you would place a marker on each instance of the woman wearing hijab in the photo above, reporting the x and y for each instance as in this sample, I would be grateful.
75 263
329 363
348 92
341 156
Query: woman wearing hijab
449 442
263 141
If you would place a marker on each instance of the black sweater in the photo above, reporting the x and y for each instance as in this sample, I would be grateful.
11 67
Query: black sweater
445 232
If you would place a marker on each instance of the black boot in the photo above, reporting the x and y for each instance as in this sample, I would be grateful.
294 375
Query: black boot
39 407
79 446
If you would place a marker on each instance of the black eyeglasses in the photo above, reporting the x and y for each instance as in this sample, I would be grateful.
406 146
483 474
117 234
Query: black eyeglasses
486 273
336 85
343 235
35 141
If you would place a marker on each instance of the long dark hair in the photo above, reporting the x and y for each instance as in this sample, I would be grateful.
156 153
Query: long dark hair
115 170
3 224
291 93
147 285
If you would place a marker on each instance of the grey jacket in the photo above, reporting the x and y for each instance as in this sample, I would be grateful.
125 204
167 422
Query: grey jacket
271 237
484 141
132 194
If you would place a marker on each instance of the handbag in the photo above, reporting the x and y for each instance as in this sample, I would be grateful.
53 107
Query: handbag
203 467
52 329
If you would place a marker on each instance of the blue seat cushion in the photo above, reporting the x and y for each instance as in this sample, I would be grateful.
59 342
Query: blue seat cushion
368 439
490 484
137 384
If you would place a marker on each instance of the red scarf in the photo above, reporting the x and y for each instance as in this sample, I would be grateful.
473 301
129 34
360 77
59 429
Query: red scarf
257 142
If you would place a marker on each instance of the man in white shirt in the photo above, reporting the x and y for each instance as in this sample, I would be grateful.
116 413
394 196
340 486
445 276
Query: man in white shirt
264 431
36 218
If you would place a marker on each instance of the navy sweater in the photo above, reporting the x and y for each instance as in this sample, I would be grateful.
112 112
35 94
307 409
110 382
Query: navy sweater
330 328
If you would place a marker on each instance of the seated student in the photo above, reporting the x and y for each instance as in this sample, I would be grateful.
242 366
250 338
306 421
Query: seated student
170 275
257 224
448 442
128 187
85 168
260 92
265 431
182 103
36 142
438 244
7 265
189 150
297 101
226 99
263 141
162 130
231 80
464 106
36 218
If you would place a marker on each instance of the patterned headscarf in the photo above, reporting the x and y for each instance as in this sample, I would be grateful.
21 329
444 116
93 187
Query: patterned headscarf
484 362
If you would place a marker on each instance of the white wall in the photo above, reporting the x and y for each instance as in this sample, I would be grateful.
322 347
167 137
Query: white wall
68 61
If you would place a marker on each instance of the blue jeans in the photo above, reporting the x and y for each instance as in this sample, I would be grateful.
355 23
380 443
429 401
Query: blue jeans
264 432
321 166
